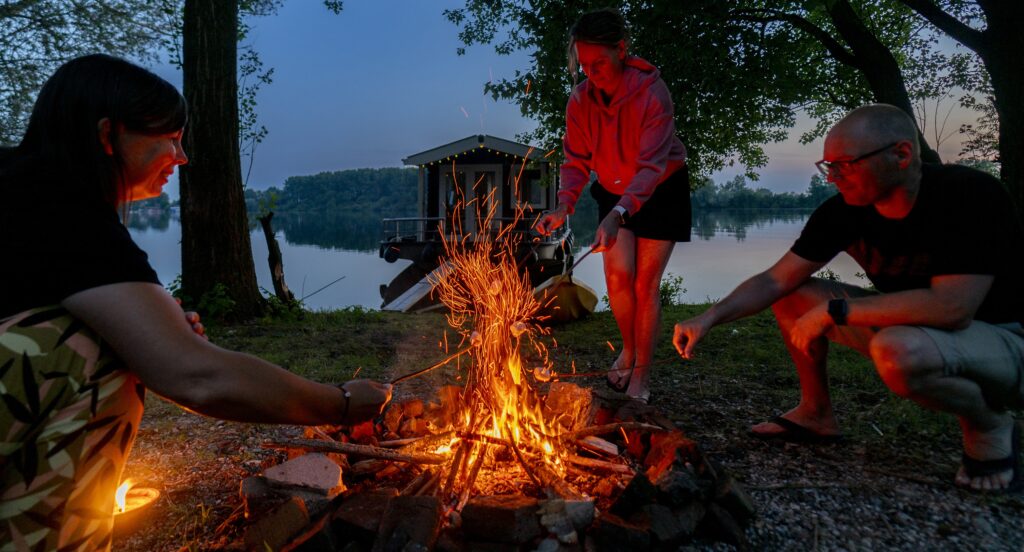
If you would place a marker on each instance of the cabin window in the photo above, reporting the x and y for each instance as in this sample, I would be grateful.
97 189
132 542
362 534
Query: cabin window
531 192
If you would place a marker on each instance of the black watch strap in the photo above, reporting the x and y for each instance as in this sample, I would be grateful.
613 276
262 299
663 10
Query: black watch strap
838 309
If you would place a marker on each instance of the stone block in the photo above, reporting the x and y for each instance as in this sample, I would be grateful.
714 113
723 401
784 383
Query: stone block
392 418
664 525
313 471
409 523
275 529
506 518
668 449
413 408
639 492
678 487
555 518
571 404
718 524
611 533
731 495
358 517
690 516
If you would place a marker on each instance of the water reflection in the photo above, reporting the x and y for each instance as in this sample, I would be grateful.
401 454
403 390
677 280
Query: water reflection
356 232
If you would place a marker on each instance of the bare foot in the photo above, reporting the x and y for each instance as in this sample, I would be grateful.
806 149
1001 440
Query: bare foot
822 425
639 384
995 444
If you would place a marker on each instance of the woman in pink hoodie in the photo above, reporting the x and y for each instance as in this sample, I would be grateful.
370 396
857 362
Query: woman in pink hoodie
620 125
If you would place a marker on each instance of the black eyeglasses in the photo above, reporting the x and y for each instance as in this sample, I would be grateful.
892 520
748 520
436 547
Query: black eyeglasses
839 168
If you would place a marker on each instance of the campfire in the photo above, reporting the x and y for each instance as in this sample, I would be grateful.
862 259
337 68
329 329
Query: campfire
514 455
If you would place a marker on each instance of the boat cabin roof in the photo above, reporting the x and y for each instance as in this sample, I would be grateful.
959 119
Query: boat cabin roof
472 143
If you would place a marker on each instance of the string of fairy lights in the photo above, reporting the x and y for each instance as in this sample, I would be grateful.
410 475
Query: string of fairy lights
455 156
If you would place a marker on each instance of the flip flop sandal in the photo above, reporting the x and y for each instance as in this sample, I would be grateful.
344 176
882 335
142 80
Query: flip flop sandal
623 375
982 468
793 432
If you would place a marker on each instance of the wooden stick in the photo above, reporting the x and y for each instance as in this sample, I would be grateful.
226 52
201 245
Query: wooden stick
456 464
398 442
471 480
356 450
600 464
556 483
608 428
434 366
522 461
414 486
431 484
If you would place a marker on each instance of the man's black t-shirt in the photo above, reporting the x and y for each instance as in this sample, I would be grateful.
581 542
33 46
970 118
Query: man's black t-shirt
962 222
56 245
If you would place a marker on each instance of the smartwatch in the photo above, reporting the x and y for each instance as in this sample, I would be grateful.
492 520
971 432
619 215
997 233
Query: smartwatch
838 309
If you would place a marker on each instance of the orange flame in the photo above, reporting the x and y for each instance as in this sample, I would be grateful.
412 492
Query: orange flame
492 306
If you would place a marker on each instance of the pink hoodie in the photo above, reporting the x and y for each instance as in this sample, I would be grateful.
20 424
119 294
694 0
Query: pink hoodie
631 143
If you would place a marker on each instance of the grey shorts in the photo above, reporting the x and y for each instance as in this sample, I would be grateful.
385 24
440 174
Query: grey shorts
989 354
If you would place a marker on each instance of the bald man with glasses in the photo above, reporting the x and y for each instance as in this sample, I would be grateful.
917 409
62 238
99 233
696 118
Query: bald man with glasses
943 248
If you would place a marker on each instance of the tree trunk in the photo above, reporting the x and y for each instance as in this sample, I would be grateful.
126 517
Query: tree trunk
215 246
875 61
1003 56
1000 46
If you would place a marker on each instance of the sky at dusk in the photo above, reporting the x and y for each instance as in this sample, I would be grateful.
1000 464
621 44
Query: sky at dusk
382 80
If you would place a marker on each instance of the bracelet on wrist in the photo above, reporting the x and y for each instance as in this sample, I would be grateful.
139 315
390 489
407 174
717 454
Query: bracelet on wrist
348 399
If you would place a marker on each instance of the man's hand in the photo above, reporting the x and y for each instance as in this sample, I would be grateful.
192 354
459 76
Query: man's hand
552 220
687 333
367 399
607 233
810 328
192 318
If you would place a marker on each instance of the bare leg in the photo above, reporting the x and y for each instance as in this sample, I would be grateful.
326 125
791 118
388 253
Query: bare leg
619 274
651 259
815 408
911 365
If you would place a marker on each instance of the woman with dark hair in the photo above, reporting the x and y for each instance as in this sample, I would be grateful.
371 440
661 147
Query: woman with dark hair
620 124
86 327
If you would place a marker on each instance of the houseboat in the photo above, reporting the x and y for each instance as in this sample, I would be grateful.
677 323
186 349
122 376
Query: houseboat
479 171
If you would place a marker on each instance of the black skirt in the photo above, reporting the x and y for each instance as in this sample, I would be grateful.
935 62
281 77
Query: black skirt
664 216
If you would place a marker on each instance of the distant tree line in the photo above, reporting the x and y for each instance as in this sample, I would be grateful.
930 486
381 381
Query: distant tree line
734 194
363 193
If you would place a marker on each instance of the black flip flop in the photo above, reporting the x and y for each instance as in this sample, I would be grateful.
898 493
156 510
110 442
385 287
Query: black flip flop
793 432
982 468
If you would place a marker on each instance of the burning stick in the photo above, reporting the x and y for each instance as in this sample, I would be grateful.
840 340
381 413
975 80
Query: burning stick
473 473
600 464
421 481
608 428
356 450
434 366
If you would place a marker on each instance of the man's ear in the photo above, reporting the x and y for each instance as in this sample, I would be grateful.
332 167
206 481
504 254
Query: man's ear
104 129
620 50
905 153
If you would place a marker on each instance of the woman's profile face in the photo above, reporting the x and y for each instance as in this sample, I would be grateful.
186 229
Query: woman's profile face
149 160
602 64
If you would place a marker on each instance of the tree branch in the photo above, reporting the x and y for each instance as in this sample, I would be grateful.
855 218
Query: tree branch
838 51
950 25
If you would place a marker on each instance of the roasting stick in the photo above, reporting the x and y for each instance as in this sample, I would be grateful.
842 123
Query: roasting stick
434 366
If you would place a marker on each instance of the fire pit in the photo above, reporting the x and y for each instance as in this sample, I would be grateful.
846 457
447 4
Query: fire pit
513 458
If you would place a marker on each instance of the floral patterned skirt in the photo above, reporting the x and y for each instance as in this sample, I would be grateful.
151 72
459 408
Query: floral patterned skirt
69 418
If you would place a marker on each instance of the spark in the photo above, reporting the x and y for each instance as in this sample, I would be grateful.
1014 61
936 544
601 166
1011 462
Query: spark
610 346
356 373
464 112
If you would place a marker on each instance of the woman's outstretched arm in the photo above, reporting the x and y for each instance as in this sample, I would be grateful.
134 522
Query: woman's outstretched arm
145 327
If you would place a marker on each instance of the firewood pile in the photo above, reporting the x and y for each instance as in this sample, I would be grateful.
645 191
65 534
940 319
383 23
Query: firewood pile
629 480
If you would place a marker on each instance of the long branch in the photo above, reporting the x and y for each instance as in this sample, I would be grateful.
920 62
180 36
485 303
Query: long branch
367 451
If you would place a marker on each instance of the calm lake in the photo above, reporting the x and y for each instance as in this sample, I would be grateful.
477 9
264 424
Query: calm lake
727 247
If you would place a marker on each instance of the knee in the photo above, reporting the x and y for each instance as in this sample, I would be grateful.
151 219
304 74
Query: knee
619 280
901 358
